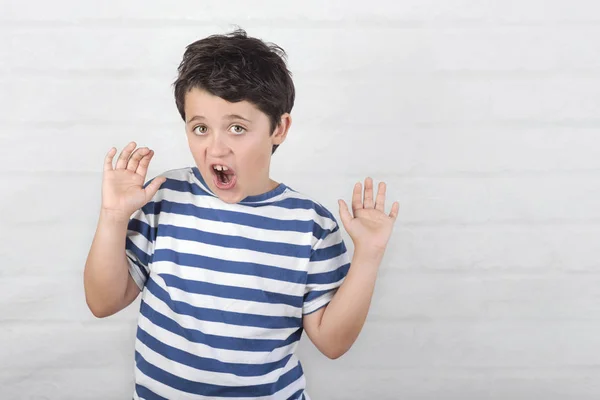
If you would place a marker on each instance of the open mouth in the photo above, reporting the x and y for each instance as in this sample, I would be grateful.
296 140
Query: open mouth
224 176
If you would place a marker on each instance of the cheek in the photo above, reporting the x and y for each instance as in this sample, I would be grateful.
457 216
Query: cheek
260 153
196 148
251 159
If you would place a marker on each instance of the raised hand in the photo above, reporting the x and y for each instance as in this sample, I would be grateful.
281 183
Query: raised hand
122 185
369 226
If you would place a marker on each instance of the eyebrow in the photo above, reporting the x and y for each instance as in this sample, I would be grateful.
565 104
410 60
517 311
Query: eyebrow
228 116
236 116
195 118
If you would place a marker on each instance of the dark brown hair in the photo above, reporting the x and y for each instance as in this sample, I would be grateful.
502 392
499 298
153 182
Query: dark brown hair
237 67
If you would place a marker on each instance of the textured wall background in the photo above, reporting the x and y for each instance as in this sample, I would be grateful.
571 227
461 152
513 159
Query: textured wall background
482 116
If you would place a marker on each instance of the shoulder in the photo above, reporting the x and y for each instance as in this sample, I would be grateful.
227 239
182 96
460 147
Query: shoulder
177 188
319 213
178 180
184 174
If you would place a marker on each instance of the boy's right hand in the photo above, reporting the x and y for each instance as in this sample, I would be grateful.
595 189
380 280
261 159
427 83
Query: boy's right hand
122 186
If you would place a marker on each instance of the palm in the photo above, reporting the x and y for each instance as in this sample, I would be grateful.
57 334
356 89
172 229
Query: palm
123 189
368 225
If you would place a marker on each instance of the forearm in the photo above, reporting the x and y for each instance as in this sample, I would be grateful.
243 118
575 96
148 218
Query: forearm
106 272
344 317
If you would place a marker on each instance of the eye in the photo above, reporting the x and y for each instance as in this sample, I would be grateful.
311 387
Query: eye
237 129
199 130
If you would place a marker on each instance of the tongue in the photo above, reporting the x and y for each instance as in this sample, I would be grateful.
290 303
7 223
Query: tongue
223 177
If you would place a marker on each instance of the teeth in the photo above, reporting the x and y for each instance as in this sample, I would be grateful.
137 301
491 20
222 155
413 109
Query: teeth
220 168
224 168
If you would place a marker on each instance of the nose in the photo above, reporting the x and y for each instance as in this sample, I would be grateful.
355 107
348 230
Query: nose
217 146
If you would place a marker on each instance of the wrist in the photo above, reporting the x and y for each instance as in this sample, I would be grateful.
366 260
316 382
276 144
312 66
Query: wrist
368 259
368 254
114 217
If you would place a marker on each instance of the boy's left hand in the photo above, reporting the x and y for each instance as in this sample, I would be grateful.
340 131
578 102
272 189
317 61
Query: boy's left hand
368 225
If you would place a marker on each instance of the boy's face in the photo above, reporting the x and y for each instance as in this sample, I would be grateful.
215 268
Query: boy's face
231 144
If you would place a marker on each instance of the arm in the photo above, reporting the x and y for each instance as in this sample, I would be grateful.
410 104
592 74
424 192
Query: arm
108 286
107 283
334 328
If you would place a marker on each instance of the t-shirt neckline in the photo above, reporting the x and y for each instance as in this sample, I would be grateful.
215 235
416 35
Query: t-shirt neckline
279 189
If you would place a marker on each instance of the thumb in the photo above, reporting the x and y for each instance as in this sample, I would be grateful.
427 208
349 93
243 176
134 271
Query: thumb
153 187
345 213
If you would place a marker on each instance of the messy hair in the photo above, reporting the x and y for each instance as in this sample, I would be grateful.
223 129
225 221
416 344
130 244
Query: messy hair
236 67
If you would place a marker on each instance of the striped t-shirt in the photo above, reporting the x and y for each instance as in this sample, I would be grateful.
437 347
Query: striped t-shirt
225 287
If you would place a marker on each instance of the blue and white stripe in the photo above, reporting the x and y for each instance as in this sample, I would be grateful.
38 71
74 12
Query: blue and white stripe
225 288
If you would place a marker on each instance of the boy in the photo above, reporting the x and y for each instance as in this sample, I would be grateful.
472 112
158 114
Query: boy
232 266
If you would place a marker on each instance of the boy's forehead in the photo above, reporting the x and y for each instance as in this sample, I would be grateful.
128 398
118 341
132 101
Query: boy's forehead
199 102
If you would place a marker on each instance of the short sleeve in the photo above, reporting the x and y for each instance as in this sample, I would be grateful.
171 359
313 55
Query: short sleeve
327 268
139 243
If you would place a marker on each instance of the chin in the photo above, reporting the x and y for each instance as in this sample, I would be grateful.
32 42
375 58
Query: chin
231 200
228 197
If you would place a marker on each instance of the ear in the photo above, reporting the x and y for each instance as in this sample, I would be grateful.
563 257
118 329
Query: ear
281 130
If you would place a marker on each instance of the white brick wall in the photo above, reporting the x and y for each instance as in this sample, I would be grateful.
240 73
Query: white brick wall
483 117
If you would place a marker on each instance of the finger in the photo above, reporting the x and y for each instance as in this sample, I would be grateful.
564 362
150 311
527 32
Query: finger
395 209
124 156
368 203
380 201
108 159
357 198
142 168
135 158
153 187
344 213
